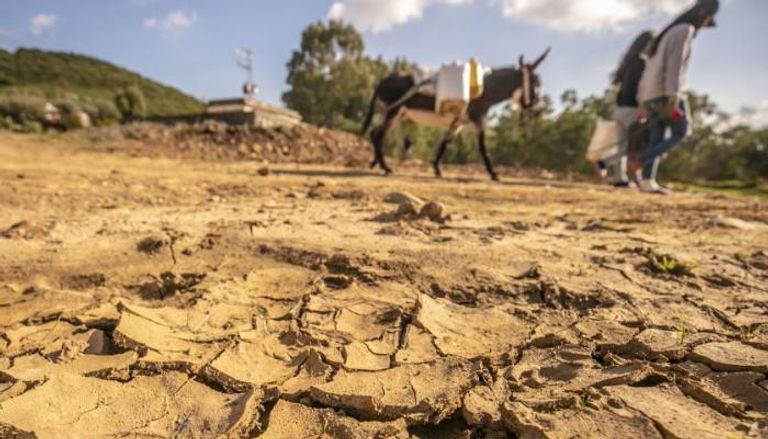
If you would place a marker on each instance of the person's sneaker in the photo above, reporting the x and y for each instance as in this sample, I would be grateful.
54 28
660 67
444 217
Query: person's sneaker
625 185
651 187
601 171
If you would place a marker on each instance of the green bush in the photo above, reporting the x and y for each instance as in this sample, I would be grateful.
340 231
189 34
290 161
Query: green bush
32 127
23 108
104 113
70 113
7 123
131 104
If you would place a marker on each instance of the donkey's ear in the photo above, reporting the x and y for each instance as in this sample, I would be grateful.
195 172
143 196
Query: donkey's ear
541 58
521 61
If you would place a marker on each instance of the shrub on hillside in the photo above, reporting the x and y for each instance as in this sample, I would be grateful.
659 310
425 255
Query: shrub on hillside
131 104
32 127
7 123
22 108
103 113
70 113
24 111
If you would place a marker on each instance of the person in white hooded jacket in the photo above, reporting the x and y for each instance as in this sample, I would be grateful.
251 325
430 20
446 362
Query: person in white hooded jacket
661 89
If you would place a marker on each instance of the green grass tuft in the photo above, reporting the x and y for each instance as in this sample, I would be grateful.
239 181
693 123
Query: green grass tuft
666 264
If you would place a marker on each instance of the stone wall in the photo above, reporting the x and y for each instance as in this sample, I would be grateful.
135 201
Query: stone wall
240 112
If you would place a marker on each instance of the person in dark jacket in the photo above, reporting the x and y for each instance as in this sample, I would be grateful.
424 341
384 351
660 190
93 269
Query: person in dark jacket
662 85
627 79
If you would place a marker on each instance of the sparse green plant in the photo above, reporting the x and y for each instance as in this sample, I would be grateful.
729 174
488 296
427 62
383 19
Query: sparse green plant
583 400
682 330
667 264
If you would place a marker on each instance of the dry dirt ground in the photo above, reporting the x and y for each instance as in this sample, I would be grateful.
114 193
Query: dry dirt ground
172 298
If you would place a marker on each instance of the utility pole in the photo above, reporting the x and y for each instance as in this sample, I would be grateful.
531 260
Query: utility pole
245 61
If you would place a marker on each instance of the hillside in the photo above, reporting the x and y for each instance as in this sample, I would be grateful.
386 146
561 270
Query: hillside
55 74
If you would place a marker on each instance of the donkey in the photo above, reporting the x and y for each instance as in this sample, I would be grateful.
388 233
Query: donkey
400 94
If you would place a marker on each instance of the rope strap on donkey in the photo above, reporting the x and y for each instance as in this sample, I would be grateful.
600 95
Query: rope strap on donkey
411 93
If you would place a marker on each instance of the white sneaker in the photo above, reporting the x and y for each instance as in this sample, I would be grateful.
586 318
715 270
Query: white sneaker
651 187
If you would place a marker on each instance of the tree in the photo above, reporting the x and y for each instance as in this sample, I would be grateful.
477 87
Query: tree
555 141
131 104
331 81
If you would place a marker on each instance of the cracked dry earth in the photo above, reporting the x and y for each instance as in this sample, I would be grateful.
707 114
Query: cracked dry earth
164 298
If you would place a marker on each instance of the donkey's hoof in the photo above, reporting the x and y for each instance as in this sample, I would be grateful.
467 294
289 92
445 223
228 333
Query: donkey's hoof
495 177
387 171
374 163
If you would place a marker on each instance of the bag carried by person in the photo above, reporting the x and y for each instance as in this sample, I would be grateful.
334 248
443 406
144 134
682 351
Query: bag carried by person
605 141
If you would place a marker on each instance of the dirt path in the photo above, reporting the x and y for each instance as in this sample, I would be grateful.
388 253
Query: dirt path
155 297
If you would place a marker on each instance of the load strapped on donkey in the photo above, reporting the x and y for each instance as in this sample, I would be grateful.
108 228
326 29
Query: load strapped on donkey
457 85
458 94
453 87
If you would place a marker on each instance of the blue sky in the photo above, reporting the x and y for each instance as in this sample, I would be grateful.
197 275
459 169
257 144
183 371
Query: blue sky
190 44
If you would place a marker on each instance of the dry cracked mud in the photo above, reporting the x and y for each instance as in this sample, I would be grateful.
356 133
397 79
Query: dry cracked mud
177 298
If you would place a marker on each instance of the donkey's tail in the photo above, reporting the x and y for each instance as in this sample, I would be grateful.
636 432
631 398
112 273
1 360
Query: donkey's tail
371 110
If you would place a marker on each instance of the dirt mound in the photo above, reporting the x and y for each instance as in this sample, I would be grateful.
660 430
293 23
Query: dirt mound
213 140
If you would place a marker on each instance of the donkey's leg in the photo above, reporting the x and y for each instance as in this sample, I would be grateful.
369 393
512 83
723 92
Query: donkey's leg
484 151
449 136
374 138
378 140
440 153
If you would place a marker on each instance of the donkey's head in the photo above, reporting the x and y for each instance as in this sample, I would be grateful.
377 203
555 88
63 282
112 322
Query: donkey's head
528 96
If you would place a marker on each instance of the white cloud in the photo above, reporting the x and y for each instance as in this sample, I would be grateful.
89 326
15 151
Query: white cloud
752 116
755 117
564 15
41 23
588 15
381 15
172 25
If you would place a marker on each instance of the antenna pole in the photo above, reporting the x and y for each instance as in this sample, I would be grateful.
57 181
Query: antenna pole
245 61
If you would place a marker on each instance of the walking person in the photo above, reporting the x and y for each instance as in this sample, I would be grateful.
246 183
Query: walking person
627 79
661 88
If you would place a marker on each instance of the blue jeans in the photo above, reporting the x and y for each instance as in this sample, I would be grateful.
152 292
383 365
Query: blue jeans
658 123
